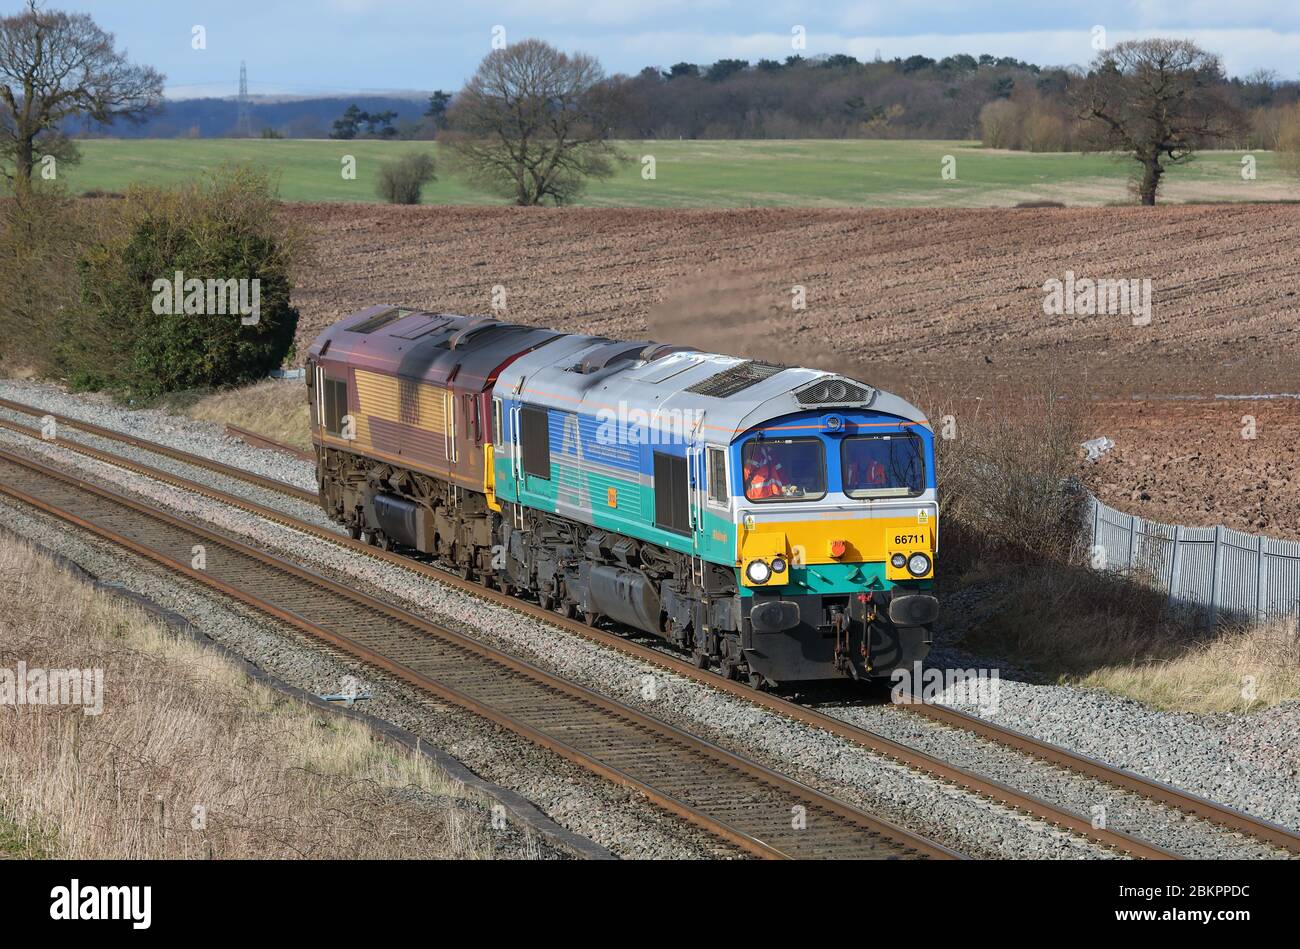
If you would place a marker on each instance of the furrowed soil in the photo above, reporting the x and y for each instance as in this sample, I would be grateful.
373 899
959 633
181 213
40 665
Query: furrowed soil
926 302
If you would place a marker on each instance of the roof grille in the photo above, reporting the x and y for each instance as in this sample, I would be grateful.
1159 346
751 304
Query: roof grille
735 379
835 391
379 319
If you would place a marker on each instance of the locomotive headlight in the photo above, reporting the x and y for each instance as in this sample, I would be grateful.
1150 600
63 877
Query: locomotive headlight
758 572
899 561
918 565
778 565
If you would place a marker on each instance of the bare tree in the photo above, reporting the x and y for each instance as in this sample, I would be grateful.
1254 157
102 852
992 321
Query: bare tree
55 65
532 123
1158 99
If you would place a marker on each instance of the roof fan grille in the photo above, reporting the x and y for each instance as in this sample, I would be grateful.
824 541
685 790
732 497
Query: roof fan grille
735 379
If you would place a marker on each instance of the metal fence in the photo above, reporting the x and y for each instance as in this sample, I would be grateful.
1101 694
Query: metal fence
1209 571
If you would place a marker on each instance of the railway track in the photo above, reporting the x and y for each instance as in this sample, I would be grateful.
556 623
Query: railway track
1159 792
740 801
175 454
257 440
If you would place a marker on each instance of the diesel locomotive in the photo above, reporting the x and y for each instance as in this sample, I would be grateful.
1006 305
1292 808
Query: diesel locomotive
777 523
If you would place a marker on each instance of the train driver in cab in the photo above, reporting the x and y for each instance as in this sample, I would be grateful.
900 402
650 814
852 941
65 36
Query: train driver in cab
764 474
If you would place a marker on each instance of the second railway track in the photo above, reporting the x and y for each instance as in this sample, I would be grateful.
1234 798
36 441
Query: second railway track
1185 802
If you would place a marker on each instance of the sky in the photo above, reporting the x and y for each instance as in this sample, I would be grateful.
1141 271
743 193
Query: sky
342 46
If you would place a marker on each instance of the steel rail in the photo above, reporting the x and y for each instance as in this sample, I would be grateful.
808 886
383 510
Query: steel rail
258 440
912 758
739 800
1124 779
161 449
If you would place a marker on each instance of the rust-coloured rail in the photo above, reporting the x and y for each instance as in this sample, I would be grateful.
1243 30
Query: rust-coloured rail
1156 791
156 447
740 801
258 440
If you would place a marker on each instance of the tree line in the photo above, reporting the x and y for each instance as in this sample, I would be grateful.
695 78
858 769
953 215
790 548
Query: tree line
534 123
1020 104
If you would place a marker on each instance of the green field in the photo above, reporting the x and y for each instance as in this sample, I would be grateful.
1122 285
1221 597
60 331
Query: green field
829 173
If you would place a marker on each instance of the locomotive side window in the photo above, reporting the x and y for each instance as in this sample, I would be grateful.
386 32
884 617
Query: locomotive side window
535 438
334 398
497 435
718 493
672 494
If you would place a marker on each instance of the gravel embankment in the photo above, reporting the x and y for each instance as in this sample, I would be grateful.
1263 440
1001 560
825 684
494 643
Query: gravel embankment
615 818
1189 751
200 438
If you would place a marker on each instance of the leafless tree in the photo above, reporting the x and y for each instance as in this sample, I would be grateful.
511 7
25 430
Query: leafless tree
55 65
532 123
1158 99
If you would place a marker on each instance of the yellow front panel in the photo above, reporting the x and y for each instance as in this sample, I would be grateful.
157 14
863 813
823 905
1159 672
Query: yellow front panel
810 542
764 543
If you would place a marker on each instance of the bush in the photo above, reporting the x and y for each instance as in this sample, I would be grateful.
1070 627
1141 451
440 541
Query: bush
401 180
43 232
1000 124
1007 489
133 332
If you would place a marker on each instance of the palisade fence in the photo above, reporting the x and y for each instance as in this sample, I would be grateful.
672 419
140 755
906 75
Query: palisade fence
1206 571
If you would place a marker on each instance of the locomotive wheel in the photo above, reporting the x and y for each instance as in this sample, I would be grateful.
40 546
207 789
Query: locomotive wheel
545 602
757 682
591 619
486 581
383 541
568 609
701 659
354 531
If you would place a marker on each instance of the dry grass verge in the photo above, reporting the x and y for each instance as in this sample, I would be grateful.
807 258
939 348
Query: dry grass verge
1239 670
1101 630
182 728
275 409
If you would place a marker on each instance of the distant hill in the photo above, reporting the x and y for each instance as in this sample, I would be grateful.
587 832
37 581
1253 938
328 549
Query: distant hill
292 118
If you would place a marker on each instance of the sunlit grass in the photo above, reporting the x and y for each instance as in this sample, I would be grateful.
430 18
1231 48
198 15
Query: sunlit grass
757 173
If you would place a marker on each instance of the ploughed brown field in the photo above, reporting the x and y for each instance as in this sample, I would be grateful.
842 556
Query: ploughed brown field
928 302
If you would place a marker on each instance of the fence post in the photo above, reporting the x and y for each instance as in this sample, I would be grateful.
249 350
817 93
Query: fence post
1132 541
1216 588
1096 523
1261 579
1176 562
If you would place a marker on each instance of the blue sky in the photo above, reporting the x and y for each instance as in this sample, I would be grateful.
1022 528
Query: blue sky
320 46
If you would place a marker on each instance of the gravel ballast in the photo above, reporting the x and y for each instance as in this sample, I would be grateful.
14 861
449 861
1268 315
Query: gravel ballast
1242 761
616 818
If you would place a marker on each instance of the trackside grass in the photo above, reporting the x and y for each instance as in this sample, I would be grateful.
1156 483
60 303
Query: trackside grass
180 729
276 409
